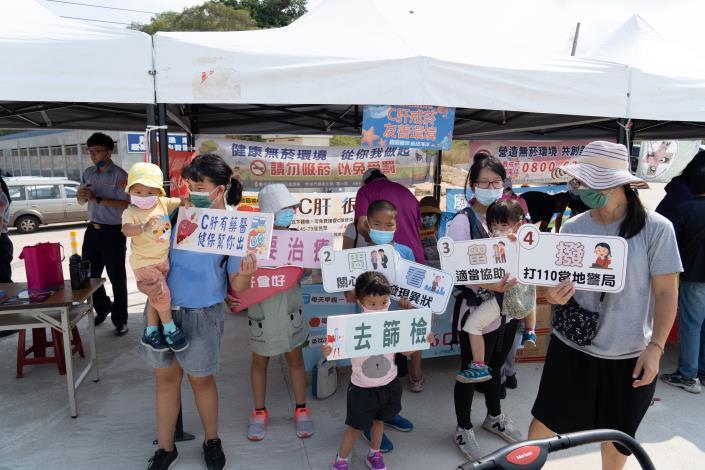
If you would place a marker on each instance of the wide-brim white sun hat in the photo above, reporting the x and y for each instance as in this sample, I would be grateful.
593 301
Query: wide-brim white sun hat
603 165
275 197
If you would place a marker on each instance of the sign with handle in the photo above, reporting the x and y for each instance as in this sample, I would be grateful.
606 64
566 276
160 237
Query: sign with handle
340 269
423 286
483 261
369 334
592 262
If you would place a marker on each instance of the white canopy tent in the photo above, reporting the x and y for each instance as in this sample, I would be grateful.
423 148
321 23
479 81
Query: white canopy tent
59 72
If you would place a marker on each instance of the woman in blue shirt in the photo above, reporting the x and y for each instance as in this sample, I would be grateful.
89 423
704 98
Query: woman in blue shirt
198 283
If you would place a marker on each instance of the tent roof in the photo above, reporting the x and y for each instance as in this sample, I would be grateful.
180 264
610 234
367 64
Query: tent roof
379 52
47 58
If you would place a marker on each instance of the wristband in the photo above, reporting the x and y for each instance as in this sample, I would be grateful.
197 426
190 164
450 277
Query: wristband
658 346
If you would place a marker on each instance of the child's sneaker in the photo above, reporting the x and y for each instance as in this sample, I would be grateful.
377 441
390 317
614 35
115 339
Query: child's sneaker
529 337
177 340
474 374
340 464
155 341
416 386
375 461
304 423
400 424
467 444
386 446
257 427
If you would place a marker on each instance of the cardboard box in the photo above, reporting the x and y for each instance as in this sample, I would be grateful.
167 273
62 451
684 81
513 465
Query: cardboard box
537 354
543 317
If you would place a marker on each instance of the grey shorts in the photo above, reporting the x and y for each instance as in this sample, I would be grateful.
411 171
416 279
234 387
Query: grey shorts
203 327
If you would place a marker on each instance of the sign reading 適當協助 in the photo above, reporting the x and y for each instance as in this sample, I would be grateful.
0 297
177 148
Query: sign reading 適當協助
369 334
297 248
481 261
224 232
592 262
340 269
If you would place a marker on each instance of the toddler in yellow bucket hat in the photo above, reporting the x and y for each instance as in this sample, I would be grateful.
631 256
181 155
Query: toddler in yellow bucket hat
146 222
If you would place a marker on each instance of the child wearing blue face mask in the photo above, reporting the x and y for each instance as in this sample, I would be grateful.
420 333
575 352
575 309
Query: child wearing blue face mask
278 326
382 221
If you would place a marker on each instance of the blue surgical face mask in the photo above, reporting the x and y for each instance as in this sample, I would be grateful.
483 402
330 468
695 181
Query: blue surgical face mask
487 196
101 164
381 237
284 218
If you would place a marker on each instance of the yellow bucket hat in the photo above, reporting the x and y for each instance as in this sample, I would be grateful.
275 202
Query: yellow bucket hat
147 174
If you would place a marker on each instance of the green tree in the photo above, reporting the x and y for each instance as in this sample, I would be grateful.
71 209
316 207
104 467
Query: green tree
211 16
270 13
344 141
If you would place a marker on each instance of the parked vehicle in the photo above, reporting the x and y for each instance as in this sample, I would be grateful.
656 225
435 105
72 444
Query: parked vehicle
41 200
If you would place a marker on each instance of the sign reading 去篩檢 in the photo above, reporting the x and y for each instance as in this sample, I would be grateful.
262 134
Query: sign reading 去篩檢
374 333
224 232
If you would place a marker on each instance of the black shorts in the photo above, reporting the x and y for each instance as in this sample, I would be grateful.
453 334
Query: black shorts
579 392
368 404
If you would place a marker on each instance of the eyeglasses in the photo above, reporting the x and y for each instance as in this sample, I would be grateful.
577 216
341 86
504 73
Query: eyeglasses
484 184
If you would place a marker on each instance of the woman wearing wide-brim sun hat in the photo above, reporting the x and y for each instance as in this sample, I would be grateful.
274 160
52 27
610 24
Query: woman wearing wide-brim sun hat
608 381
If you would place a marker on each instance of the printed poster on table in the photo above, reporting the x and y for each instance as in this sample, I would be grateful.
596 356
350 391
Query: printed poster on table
661 160
222 232
340 269
420 127
257 164
592 262
297 248
267 282
319 212
424 286
371 334
483 261
532 161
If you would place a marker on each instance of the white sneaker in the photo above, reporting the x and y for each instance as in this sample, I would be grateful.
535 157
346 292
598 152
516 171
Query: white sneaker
466 442
416 386
503 427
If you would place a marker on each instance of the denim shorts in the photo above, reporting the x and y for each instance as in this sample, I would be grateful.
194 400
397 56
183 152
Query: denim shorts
203 327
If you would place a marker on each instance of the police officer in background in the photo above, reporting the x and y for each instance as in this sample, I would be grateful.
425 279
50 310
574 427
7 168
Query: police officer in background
104 245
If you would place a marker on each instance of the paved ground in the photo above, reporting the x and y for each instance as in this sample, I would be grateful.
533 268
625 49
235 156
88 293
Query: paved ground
116 418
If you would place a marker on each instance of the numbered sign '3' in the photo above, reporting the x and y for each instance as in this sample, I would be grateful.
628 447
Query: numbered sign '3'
340 269
482 261
592 262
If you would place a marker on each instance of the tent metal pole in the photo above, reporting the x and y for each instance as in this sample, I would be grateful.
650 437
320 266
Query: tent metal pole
163 145
437 177
575 40
152 121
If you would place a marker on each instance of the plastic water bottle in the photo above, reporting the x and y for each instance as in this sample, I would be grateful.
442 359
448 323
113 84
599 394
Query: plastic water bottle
78 278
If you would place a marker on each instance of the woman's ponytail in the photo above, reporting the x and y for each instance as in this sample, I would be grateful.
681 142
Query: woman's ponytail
635 216
234 194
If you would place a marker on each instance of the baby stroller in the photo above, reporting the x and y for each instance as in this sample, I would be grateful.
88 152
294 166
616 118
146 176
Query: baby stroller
532 455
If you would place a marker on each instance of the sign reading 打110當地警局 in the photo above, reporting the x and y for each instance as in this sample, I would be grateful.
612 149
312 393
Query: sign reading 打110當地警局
257 164
420 127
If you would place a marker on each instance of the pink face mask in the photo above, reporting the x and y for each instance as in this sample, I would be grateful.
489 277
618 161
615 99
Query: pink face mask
143 202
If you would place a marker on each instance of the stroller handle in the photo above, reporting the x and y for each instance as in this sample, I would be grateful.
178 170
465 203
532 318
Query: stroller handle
531 455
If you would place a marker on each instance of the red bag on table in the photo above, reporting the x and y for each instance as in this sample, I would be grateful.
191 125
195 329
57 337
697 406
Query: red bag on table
42 263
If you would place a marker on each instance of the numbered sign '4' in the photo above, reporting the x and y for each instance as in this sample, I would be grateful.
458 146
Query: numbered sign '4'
592 262
483 261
